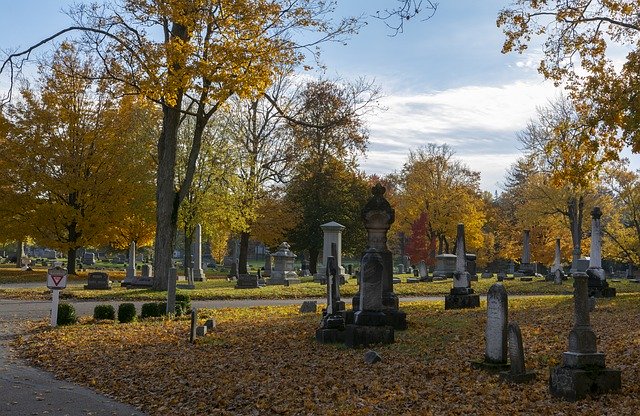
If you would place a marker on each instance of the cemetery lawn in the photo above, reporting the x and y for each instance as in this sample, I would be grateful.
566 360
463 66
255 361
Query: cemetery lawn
266 361
221 289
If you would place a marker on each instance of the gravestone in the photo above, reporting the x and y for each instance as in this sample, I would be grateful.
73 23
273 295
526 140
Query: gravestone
416 272
378 215
445 266
247 281
400 268
423 272
557 266
131 267
233 271
461 294
331 247
98 281
598 286
583 369
470 264
309 306
283 269
501 276
486 275
518 372
89 258
495 356
197 272
526 268
267 264
332 325
147 271
305 266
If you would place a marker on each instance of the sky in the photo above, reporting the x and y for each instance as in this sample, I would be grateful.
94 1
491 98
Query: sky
444 80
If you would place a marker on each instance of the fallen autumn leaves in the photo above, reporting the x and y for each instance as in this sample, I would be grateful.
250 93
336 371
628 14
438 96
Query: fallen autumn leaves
266 361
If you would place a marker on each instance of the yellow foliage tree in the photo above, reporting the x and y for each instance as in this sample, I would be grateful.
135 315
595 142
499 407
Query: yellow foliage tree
69 176
432 182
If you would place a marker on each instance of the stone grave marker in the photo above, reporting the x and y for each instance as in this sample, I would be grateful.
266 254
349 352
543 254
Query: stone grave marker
583 371
518 372
461 294
309 306
598 286
496 330
98 281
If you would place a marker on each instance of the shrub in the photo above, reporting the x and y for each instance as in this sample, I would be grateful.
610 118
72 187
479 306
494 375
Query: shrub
149 310
66 314
104 312
185 303
126 312
162 308
178 309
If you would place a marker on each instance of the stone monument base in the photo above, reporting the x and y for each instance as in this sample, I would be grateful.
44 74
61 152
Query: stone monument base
574 384
364 336
330 335
602 291
461 298
517 378
138 283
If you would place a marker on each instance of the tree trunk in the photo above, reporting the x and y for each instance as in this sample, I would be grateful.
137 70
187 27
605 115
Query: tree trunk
71 261
242 256
19 253
313 260
166 198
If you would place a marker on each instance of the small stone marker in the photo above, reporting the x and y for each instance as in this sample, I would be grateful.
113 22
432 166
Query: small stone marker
194 324
309 306
201 330
210 324
518 372
372 357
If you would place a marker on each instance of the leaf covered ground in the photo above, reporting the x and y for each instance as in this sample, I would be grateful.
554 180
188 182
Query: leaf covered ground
265 361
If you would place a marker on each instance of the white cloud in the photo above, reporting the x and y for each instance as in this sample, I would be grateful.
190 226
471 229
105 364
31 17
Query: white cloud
479 122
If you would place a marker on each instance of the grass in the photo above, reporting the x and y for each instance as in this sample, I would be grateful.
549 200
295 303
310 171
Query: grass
218 288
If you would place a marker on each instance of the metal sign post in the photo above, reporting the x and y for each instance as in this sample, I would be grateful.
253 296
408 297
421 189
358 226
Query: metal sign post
56 281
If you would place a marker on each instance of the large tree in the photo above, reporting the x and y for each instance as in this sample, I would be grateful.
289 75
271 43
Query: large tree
568 163
326 186
441 191
583 38
67 171
189 57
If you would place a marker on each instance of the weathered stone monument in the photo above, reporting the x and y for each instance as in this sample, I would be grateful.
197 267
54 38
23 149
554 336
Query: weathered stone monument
423 272
234 270
598 286
526 268
556 270
98 281
378 217
332 325
331 247
461 294
583 369
131 267
197 272
445 266
305 266
495 356
247 281
517 371
283 269
267 264
147 271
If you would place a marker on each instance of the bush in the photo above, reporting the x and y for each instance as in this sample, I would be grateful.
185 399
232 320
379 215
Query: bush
66 314
104 312
126 312
185 303
178 309
149 310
